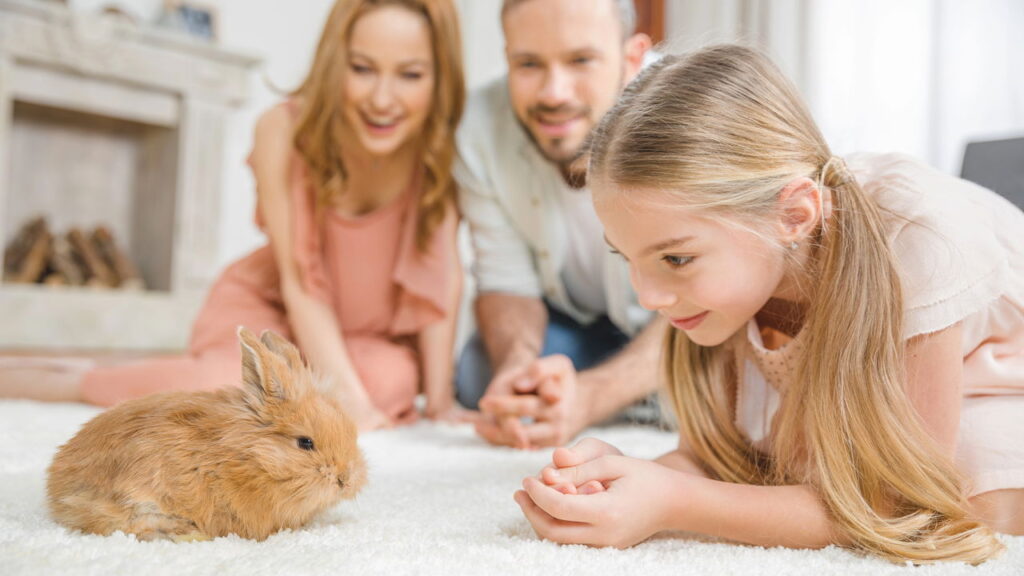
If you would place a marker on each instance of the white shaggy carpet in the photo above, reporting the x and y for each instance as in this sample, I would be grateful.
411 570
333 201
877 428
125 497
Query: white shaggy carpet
438 501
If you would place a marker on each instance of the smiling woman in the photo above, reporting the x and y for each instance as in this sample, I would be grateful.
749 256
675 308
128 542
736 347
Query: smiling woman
356 198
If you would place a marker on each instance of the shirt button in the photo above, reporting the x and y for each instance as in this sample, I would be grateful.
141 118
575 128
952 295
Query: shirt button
544 254
535 200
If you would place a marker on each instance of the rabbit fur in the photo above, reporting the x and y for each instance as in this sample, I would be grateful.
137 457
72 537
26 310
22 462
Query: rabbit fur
249 460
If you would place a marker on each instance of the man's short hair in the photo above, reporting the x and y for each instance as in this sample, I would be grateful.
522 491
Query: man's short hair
625 9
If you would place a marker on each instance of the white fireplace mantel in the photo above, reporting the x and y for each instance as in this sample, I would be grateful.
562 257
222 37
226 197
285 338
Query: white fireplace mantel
172 95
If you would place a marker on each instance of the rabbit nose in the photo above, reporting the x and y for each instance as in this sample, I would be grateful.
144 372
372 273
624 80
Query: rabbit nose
341 482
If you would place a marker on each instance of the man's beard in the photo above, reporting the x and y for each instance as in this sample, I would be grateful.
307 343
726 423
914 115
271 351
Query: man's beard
565 158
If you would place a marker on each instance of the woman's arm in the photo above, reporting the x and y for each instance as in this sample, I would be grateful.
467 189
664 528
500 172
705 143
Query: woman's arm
436 345
312 321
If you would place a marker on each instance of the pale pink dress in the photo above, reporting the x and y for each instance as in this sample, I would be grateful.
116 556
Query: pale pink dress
381 289
960 255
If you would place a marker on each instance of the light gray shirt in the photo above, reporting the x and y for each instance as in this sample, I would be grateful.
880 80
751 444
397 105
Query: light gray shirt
509 195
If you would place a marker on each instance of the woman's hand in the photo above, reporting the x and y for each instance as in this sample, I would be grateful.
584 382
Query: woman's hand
450 413
633 506
368 419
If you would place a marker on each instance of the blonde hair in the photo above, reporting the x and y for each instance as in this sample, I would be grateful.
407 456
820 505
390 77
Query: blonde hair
726 131
317 136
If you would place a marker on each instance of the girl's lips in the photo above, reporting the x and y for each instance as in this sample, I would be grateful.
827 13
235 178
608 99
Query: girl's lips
689 323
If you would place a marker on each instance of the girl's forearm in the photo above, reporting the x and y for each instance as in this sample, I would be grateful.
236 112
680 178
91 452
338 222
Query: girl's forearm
677 460
790 516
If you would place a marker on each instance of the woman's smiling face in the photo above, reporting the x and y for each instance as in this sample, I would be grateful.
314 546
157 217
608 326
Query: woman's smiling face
389 80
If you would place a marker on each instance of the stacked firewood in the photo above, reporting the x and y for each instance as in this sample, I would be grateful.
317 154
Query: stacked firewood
37 256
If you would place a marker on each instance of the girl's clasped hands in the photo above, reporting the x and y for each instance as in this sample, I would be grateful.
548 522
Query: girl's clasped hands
592 494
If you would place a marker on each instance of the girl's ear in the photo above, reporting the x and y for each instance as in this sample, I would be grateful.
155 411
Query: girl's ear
799 210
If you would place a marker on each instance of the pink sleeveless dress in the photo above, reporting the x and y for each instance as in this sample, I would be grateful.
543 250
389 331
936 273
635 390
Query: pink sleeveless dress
959 252
367 270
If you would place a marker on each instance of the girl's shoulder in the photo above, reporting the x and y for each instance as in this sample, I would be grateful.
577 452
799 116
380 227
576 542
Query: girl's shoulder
955 244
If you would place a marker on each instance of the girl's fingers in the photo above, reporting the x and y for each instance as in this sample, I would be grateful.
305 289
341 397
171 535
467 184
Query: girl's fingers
592 487
568 508
548 527
602 469
551 477
583 451
566 488
566 458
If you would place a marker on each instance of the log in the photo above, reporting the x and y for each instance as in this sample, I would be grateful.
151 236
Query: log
64 263
27 255
125 272
97 271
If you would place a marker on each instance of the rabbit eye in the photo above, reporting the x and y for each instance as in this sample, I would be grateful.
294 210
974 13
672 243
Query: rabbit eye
305 443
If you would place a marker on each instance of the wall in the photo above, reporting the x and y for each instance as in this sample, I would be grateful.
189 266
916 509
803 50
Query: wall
284 34
916 76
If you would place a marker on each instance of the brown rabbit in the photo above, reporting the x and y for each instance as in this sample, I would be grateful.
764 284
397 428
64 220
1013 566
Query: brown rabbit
197 465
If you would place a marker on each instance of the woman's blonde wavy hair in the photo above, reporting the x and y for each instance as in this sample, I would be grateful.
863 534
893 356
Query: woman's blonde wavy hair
726 131
318 135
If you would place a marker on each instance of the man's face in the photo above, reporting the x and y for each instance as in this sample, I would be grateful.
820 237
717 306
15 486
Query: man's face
566 68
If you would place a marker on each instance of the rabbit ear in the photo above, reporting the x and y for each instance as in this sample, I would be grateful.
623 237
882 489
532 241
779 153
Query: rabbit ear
260 383
283 348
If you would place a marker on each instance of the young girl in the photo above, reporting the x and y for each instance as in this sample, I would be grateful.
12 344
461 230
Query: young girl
356 198
846 360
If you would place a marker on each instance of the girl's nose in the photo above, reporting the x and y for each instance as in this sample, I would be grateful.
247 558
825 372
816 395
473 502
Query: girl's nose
651 295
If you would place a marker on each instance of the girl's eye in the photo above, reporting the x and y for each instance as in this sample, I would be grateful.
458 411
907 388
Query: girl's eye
412 75
360 69
677 261
304 442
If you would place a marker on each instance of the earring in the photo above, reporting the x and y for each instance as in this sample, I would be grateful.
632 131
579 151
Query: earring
793 245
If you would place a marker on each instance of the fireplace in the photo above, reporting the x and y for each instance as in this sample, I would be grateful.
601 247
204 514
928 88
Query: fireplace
105 125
